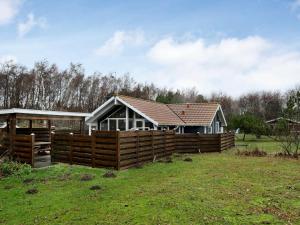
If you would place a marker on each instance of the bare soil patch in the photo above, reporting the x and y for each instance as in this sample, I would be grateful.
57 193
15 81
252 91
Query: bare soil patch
255 153
32 191
86 177
109 174
95 187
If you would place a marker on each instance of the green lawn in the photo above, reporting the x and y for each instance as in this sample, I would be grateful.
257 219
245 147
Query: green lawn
264 143
217 188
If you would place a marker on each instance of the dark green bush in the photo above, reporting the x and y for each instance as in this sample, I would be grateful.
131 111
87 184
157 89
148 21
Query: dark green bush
11 168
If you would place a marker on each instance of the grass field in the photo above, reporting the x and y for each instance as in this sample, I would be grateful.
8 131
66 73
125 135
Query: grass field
217 188
264 143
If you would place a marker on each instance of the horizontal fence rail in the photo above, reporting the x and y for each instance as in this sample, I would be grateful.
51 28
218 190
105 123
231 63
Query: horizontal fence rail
41 134
138 147
98 150
196 143
125 149
23 148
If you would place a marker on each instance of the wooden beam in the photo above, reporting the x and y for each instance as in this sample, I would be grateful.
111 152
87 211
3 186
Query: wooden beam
82 123
12 131
45 117
49 129
30 125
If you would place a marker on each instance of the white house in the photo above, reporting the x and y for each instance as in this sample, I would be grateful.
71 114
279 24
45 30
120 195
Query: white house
128 113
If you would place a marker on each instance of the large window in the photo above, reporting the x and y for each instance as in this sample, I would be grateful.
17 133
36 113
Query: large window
104 125
121 124
112 124
120 113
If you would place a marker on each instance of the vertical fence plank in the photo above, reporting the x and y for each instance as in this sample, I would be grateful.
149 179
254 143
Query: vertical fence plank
32 149
137 147
118 150
93 140
71 149
152 145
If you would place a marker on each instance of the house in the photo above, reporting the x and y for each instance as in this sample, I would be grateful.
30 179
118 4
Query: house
292 124
128 113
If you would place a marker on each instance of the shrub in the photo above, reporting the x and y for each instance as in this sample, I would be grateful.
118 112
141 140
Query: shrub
255 152
11 168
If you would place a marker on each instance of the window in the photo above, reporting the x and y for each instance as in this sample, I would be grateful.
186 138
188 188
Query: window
130 123
209 130
104 125
217 127
139 124
112 124
120 113
121 124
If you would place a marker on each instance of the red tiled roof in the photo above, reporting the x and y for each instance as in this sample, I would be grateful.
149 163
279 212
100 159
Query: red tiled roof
159 112
195 113
200 114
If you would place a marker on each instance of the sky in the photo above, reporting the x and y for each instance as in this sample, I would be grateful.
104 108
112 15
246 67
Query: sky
229 46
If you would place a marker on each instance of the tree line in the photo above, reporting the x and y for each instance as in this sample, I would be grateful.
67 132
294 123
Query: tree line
47 87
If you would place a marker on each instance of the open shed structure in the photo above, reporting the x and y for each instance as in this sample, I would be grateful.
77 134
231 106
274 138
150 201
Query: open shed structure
25 140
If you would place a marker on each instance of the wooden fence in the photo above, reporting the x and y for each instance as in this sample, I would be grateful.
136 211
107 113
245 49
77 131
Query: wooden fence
22 148
41 134
138 147
125 149
98 150
196 143
3 141
227 141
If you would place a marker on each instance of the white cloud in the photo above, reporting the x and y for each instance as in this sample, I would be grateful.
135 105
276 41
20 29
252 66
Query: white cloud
8 10
30 23
8 58
231 65
120 39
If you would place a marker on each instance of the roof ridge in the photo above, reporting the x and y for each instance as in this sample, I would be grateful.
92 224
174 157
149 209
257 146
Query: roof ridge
195 103
140 99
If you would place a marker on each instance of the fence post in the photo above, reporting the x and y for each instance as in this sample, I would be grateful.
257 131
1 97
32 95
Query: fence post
118 158
71 149
93 140
199 143
32 149
52 146
165 148
137 147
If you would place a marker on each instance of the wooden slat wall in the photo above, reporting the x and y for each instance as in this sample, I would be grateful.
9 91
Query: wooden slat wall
3 141
105 148
41 134
227 141
61 148
194 143
138 147
98 150
22 149
127 149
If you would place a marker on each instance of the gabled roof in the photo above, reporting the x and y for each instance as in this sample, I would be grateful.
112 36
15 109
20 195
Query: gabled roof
195 113
281 118
159 112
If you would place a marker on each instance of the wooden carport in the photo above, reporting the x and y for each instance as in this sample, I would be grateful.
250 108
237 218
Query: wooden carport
21 142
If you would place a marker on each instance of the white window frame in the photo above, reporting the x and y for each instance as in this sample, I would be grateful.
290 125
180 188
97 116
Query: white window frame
140 120
217 127
117 122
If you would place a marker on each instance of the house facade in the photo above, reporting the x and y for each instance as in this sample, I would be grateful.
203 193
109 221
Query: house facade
127 113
